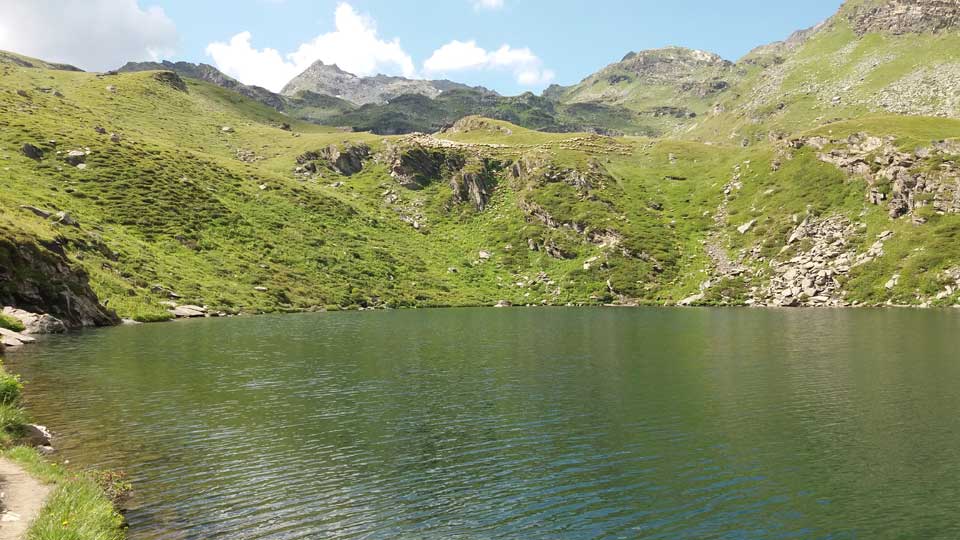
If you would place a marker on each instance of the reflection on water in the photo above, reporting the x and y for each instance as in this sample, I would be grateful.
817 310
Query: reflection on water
535 424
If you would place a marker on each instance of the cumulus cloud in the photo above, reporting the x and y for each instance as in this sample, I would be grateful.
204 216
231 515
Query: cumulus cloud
526 67
487 4
353 45
97 35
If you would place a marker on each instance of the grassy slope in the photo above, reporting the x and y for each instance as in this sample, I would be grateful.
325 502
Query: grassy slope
835 63
171 207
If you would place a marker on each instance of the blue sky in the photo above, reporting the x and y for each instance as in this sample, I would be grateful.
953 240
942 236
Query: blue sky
507 45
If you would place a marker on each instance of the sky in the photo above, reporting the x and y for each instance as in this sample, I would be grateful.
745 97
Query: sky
510 46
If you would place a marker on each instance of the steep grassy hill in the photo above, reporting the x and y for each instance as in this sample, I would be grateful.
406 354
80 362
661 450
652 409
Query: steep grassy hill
147 189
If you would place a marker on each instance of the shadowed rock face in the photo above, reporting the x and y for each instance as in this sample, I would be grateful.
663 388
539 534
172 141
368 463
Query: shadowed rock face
39 279
906 16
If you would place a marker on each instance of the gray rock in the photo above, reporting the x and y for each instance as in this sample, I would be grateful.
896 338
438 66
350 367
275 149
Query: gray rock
745 228
37 435
36 323
691 300
75 157
31 152
14 339
189 312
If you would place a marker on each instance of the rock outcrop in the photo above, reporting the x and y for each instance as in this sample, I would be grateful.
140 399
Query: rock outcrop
39 279
905 16
36 323
903 181
347 160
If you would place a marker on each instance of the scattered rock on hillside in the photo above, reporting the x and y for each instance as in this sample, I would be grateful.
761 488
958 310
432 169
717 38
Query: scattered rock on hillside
64 218
31 152
503 304
75 157
36 323
812 276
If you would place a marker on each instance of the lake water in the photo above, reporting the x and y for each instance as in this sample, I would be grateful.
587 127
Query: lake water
519 423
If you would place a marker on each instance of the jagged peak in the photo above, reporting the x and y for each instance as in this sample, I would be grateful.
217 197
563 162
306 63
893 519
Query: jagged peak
321 66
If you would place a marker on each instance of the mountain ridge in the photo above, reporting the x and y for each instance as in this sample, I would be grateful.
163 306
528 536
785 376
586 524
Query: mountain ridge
379 89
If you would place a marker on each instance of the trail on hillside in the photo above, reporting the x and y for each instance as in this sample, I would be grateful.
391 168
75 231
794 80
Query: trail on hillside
21 499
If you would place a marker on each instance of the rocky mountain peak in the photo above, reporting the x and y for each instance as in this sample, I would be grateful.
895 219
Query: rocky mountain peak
330 80
903 16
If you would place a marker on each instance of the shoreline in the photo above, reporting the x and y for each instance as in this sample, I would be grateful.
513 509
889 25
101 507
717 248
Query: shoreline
44 499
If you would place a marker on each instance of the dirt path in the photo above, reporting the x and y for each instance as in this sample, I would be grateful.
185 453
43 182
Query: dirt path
21 498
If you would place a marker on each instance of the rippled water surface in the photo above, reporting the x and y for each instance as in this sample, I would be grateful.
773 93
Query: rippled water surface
529 424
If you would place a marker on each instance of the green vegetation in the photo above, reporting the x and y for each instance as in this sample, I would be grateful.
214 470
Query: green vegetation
194 194
82 505
11 323
12 417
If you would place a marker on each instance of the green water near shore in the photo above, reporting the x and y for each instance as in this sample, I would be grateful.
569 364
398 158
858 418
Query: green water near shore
523 423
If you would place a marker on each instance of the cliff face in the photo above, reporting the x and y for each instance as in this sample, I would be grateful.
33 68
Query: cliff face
906 16
38 278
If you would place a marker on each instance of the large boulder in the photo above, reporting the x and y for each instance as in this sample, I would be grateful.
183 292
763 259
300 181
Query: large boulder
39 278
36 435
36 323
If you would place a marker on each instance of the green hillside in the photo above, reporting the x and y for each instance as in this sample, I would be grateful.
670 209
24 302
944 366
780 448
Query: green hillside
818 172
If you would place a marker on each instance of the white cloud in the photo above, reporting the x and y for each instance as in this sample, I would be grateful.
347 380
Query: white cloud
92 34
354 46
487 4
527 67
240 60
